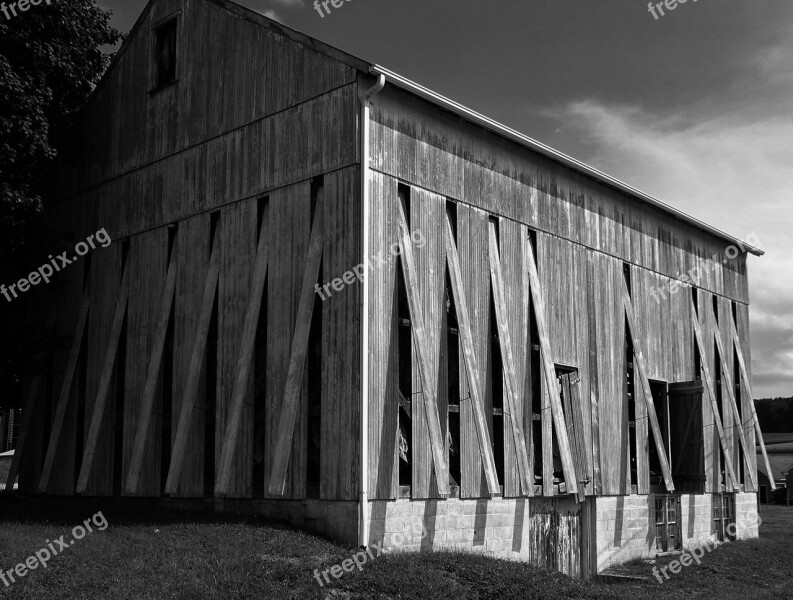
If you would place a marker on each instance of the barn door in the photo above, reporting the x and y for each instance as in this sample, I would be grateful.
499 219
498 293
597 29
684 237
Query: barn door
687 443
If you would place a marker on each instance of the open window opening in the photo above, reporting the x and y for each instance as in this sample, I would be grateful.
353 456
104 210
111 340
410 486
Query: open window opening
535 367
718 379
717 390
697 357
738 391
661 406
453 449
314 379
166 428
260 378
405 384
687 437
630 393
211 362
314 372
629 389
496 384
165 38
736 378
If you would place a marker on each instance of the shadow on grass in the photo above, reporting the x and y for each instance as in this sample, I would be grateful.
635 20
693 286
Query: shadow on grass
15 508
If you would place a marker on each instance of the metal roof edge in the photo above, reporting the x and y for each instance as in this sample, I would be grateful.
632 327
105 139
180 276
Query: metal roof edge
549 152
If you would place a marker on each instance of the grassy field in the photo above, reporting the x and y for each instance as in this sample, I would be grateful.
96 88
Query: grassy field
148 553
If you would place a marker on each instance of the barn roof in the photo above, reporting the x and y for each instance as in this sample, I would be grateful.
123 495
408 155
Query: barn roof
780 464
462 111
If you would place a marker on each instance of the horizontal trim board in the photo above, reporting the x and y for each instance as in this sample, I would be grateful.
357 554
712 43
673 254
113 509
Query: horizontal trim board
549 233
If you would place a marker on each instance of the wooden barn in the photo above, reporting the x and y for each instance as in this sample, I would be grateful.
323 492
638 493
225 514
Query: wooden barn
337 297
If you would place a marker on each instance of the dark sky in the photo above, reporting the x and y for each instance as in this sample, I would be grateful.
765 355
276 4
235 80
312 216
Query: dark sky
693 107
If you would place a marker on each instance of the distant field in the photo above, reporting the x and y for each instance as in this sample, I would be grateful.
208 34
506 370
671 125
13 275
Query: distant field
154 554
777 438
779 443
780 449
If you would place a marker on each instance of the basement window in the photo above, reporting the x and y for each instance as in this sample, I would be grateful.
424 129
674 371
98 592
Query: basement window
724 516
165 53
667 523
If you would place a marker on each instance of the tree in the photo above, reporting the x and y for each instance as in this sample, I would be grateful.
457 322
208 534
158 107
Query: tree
51 57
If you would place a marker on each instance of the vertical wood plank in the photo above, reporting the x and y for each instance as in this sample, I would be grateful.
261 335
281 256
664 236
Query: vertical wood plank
510 372
383 337
241 384
421 342
712 395
299 347
189 400
105 276
427 211
341 340
727 378
550 375
645 390
147 263
98 414
152 378
475 360
63 399
612 409
290 218
513 238
472 368
237 239
193 258
592 347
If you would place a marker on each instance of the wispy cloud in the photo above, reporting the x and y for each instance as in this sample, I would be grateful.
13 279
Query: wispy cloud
271 14
270 10
730 163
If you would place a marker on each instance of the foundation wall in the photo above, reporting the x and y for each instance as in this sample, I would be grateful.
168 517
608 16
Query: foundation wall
544 532
553 534
625 525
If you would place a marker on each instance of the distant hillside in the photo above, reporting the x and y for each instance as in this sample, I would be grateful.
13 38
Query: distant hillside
775 414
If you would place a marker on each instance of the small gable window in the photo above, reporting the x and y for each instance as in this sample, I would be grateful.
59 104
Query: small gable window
165 53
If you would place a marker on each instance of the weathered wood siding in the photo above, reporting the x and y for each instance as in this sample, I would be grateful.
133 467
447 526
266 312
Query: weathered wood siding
257 111
586 235
438 151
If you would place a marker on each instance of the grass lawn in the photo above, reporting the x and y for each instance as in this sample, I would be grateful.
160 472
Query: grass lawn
158 554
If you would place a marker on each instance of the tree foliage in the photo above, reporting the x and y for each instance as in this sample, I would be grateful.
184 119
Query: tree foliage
51 57
775 414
